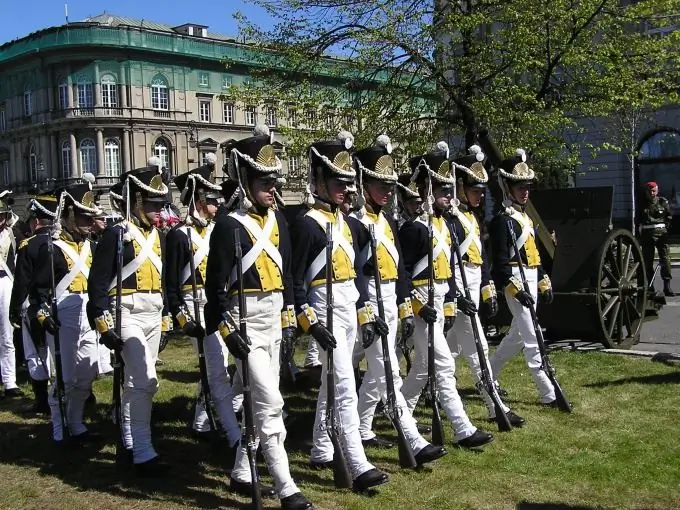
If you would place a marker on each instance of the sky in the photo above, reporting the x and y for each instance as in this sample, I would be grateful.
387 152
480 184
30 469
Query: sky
19 21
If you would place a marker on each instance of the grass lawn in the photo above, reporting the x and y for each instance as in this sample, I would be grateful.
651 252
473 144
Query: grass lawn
619 449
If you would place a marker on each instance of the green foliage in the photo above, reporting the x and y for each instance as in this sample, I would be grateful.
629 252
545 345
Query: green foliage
418 71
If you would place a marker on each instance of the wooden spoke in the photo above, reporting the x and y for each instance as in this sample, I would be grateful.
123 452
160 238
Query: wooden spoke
613 322
612 301
631 272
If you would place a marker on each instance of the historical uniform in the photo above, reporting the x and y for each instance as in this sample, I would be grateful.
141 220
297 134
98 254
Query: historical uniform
514 171
70 264
375 165
432 173
409 202
654 223
192 239
331 166
266 280
142 301
470 173
8 245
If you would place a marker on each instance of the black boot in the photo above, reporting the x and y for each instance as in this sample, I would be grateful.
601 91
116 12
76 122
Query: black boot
296 502
667 291
40 406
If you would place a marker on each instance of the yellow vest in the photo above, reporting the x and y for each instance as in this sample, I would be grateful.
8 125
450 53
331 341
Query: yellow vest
201 232
386 264
474 256
343 269
270 274
79 283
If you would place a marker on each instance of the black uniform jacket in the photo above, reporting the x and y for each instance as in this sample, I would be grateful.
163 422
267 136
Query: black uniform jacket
501 245
222 261
104 270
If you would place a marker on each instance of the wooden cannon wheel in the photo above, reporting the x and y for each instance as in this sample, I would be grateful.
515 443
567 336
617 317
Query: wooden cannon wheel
621 290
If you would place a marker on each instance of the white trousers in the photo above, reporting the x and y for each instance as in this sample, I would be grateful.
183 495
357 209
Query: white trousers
141 333
38 361
8 365
374 386
264 333
461 337
104 359
201 422
345 296
445 368
522 335
78 348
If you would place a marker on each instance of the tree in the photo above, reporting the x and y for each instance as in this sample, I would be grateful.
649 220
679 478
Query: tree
419 70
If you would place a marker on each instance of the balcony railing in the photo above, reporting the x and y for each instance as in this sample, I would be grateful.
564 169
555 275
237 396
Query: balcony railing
95 112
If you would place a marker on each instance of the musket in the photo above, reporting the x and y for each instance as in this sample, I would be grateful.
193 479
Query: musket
437 425
117 356
562 403
485 379
58 369
249 433
406 457
341 474
202 368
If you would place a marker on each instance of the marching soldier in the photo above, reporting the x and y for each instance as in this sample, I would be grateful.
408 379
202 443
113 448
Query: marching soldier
409 200
655 221
330 177
8 244
201 196
143 319
432 174
471 179
516 178
377 180
70 264
266 280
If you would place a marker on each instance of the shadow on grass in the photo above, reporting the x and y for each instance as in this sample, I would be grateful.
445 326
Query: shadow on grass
670 378
524 505
178 376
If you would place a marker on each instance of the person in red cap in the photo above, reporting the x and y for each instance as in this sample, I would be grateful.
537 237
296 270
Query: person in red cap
654 223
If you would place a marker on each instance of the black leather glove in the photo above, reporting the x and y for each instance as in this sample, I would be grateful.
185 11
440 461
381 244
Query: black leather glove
448 323
408 327
15 319
491 306
287 344
194 330
237 345
381 327
164 341
323 337
50 325
428 314
111 340
467 306
525 298
368 334
547 296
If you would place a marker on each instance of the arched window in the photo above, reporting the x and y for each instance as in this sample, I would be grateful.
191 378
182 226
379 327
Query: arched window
85 92
160 97
28 102
162 150
4 167
32 164
88 156
63 94
112 157
66 170
109 92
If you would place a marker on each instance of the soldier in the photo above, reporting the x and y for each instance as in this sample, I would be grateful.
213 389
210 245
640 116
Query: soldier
654 223
330 176
8 244
377 180
143 317
266 280
70 264
409 200
42 210
471 179
432 174
201 196
516 178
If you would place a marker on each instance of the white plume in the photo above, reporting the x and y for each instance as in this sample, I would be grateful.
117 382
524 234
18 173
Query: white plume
346 138
477 151
384 141
89 178
522 154
154 161
211 158
443 147
261 130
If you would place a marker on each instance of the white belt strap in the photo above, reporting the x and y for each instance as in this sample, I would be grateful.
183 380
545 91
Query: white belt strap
146 252
3 262
439 247
262 241
203 246
470 235
79 265
381 237
339 241
527 230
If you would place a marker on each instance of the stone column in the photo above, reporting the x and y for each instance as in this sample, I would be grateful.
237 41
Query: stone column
75 171
101 167
97 86
71 99
123 85
55 160
126 150
13 174
50 88
44 156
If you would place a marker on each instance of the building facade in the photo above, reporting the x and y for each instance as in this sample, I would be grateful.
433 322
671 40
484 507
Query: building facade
105 94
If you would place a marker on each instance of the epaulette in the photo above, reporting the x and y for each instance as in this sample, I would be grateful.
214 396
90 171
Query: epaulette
24 243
